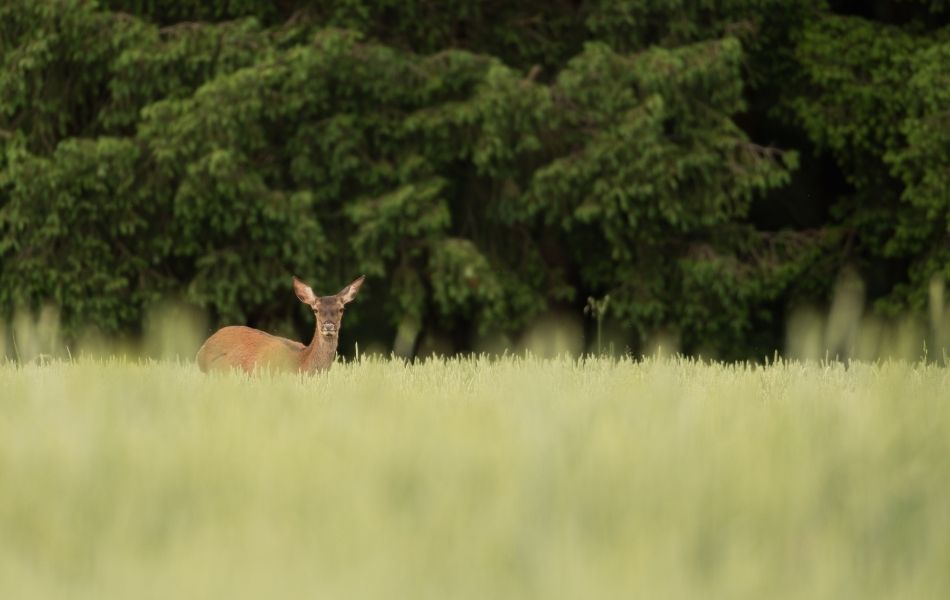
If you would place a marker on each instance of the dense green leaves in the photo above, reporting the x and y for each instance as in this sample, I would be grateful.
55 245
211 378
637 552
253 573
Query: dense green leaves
875 97
76 232
481 162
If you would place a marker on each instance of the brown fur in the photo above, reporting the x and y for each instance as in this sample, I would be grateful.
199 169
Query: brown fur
238 347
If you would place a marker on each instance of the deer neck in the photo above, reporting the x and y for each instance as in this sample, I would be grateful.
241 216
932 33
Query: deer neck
319 355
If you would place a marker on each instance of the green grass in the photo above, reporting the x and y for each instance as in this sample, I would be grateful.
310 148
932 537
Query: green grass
476 479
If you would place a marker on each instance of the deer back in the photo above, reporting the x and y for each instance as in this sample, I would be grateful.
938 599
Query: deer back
247 349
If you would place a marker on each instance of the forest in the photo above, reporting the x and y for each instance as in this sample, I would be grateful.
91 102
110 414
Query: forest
706 165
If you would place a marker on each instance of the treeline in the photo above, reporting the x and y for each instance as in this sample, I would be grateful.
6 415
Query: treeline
707 164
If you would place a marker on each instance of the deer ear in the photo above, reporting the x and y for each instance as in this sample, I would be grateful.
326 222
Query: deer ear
304 292
348 293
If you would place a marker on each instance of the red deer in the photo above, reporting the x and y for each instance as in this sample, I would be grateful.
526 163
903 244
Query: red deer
248 349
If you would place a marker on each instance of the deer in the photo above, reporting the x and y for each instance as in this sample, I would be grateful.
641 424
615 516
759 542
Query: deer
248 349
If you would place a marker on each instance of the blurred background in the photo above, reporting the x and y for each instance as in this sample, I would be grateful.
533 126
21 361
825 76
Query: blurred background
732 179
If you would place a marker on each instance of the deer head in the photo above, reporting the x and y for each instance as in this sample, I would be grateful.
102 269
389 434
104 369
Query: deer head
328 310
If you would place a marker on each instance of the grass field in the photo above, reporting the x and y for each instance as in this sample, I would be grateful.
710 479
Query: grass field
513 478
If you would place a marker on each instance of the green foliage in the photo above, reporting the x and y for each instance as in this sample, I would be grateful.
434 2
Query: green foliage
874 98
481 162
77 233
54 65
175 11
661 174
923 165
173 62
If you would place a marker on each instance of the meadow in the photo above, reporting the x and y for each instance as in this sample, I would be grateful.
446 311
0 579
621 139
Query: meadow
511 477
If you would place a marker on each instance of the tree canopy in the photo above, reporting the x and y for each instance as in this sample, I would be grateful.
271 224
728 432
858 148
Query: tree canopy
706 163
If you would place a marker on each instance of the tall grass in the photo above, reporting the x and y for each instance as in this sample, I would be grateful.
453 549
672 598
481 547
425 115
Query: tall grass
476 478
